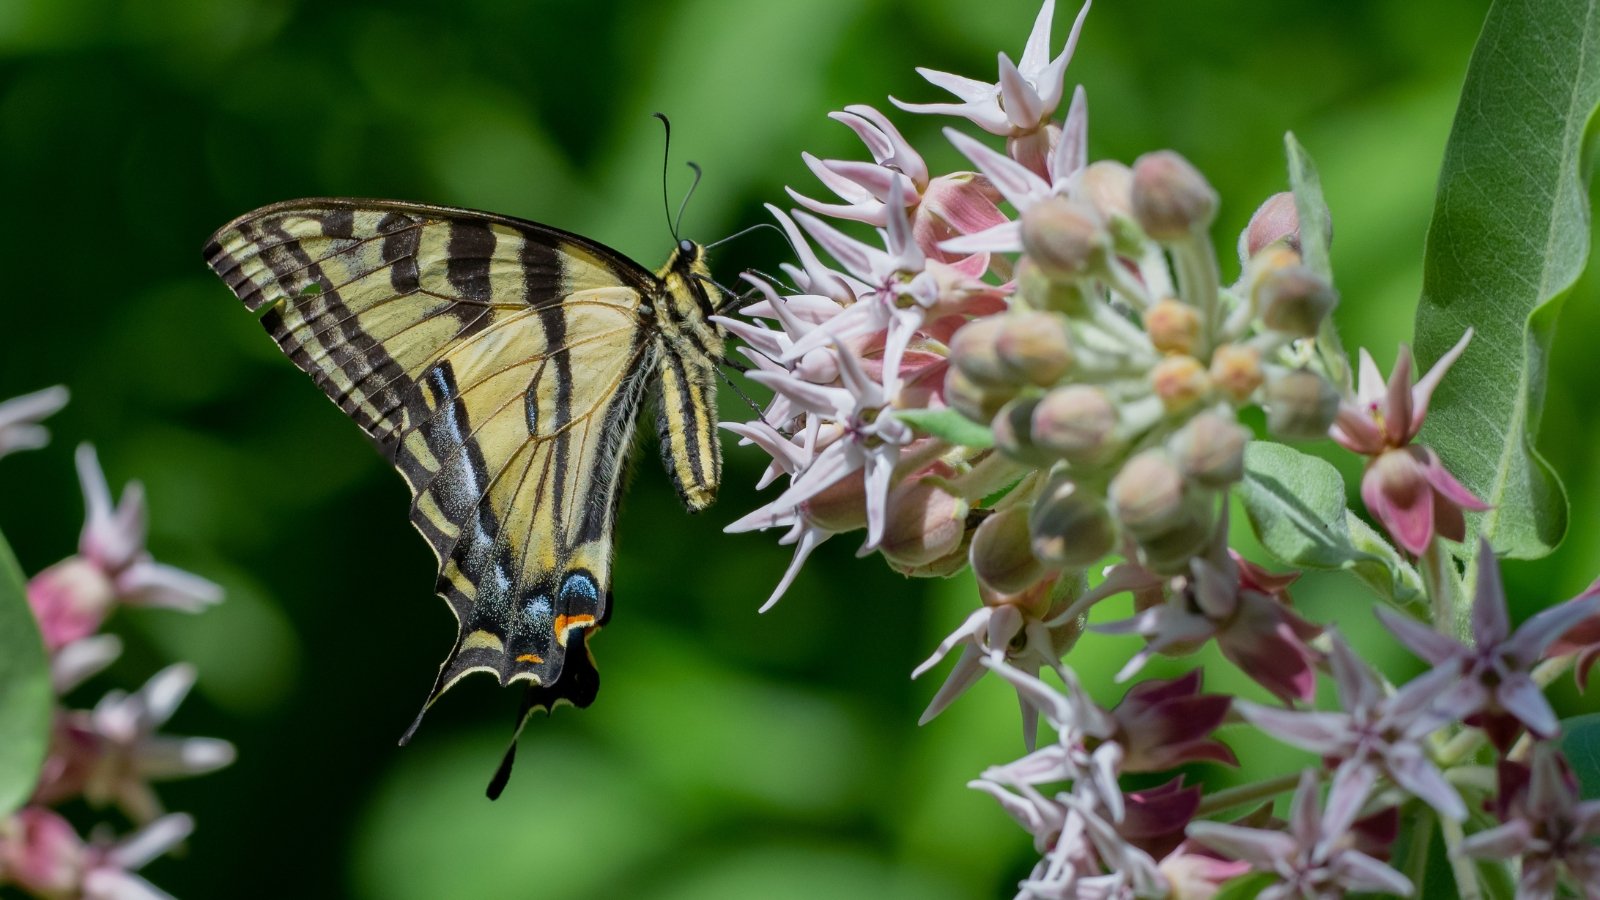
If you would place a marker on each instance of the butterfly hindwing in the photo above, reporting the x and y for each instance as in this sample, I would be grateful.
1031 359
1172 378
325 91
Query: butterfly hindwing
499 364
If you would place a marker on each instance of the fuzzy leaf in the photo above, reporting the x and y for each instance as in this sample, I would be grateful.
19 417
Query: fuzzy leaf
1580 741
947 425
25 695
1509 237
1316 239
1296 505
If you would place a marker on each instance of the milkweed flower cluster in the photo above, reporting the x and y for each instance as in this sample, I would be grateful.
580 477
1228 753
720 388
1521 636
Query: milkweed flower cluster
109 755
1033 367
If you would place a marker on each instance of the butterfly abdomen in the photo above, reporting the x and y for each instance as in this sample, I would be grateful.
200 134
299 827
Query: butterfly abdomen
690 348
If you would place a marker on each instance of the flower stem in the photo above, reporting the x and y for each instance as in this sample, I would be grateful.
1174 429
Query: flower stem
1450 616
1460 863
1248 793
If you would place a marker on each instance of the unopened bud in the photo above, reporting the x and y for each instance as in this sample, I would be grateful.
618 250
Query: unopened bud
972 350
1180 382
971 399
1148 495
1071 525
1171 199
1077 423
922 522
1210 449
1039 291
839 507
1107 185
1294 300
1170 552
1300 405
1002 552
1236 371
1064 238
1274 221
1173 326
1013 432
1034 347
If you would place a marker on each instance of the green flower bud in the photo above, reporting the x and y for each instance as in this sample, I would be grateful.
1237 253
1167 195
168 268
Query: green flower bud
1077 423
1012 429
1002 552
1169 553
1294 300
972 350
971 399
1071 525
1065 238
1107 186
922 523
1173 326
1210 449
1170 521
1034 347
1171 199
1039 291
1300 405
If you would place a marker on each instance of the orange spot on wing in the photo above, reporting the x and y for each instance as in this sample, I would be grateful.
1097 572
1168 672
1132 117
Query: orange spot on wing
565 624
530 658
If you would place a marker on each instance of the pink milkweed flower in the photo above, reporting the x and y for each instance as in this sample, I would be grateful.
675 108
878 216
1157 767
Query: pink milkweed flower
1316 856
1582 640
41 853
1165 723
1545 825
111 754
1405 486
1374 733
1020 104
1493 685
20 418
71 598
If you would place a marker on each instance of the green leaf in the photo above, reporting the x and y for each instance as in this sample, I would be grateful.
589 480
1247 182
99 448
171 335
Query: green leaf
1509 237
1580 741
947 425
1315 241
1296 507
1246 886
25 695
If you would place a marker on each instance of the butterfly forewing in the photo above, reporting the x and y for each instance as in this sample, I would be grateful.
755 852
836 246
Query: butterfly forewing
499 364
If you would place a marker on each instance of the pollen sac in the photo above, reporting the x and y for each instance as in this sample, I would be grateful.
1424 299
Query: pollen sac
1034 348
1210 449
1180 382
1173 326
973 351
1300 405
1070 525
973 400
1172 201
1294 300
1236 371
1065 238
1002 552
1077 423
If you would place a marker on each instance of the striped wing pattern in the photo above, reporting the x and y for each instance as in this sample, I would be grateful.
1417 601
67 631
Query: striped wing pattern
499 364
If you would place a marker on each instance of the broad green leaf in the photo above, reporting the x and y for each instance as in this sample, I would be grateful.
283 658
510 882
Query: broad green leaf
1580 741
1296 506
1246 886
1509 236
24 688
949 425
1315 240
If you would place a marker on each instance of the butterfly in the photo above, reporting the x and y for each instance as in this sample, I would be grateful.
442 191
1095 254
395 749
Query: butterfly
500 365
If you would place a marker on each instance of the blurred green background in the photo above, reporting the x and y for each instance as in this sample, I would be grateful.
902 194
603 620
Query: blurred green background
729 755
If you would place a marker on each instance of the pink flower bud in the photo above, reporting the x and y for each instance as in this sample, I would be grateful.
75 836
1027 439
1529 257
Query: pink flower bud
1236 371
1274 221
839 507
1077 423
976 402
1173 326
1002 552
1301 405
1171 199
1107 186
1210 449
924 523
1149 495
70 600
41 853
1065 238
973 350
1180 382
1294 300
1070 525
1034 347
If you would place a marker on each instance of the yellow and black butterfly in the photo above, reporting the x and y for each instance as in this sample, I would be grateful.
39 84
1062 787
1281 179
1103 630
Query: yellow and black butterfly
500 365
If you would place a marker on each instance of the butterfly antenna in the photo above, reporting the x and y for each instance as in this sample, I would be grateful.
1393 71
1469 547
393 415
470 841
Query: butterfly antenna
739 234
685 204
666 155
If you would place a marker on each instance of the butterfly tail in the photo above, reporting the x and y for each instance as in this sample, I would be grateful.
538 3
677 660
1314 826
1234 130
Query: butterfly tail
578 686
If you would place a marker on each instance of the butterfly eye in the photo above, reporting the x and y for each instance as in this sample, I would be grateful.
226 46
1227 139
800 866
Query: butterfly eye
686 247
